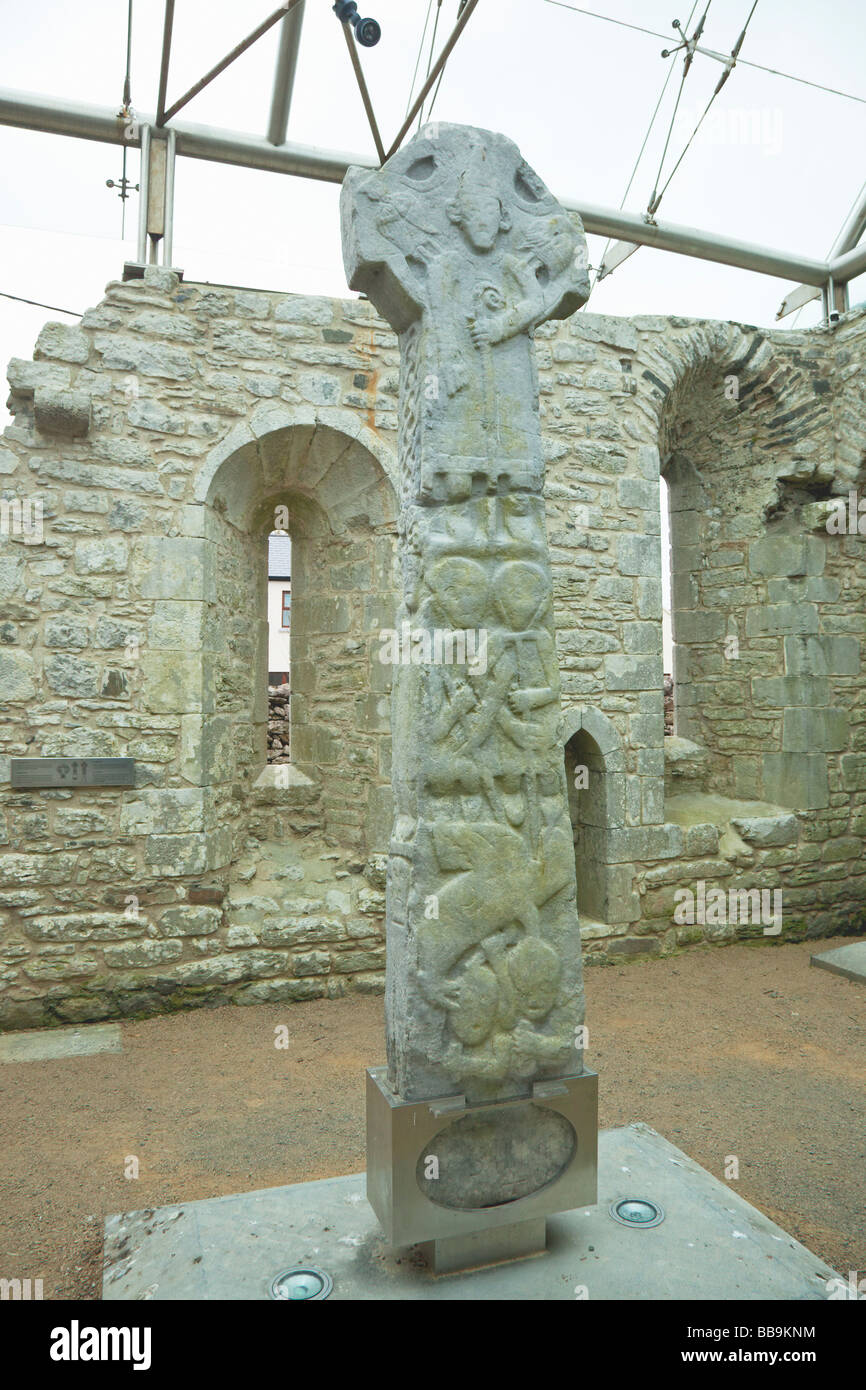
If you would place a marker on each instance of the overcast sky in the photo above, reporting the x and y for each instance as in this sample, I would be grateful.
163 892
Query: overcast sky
778 164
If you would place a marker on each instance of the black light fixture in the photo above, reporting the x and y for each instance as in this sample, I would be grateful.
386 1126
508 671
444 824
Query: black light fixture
367 31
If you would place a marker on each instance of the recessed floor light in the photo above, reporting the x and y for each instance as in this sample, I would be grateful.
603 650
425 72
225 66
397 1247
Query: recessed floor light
637 1211
301 1283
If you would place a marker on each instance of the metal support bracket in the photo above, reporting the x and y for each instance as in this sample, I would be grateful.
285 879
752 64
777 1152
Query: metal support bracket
156 206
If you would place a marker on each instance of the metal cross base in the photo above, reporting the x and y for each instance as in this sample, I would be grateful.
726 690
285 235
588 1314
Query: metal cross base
399 1135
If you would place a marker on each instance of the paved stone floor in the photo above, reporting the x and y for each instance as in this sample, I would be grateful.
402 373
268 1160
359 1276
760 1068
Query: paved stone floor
849 961
710 1244
740 1051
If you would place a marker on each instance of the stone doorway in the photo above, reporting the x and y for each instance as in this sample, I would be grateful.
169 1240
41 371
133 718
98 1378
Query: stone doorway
595 776
585 773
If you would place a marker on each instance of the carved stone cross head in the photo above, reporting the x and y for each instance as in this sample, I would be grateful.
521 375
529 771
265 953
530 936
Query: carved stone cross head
457 224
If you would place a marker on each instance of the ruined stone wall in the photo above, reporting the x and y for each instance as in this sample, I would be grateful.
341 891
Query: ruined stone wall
160 435
747 425
279 724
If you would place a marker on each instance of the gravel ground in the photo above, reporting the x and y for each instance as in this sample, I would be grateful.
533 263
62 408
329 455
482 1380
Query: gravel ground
742 1050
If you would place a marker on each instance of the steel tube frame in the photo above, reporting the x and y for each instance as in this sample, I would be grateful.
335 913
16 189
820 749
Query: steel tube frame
266 24
167 26
144 194
284 75
847 240
168 235
847 267
854 228
463 19
31 112
689 241
362 88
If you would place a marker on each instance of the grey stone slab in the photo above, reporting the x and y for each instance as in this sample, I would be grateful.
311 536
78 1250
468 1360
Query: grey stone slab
766 830
47 1044
711 1245
797 780
849 961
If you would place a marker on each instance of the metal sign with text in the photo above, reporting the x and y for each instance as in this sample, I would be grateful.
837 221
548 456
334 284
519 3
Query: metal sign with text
73 772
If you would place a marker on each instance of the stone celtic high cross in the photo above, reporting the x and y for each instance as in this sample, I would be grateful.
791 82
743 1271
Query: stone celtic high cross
464 251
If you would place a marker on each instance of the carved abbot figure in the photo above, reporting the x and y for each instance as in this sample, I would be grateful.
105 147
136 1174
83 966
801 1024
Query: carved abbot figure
465 252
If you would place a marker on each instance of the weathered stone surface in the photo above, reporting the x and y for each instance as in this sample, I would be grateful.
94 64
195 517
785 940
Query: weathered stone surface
821 656
484 1160
766 830
148 358
158 811
640 555
85 926
61 412
64 342
173 682
189 922
462 248
11 574
173 568
72 675
138 954
798 780
67 632
814 730
786 555
61 968
773 619
854 772
106 555
16 676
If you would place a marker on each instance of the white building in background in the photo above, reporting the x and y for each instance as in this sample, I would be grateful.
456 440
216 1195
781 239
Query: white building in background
279 606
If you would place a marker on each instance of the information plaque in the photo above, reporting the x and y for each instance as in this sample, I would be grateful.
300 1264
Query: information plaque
73 772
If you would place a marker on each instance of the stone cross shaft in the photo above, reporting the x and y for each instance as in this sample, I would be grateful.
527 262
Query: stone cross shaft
464 251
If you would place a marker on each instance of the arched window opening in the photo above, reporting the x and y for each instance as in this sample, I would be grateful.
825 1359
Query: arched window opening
667 609
588 807
279 646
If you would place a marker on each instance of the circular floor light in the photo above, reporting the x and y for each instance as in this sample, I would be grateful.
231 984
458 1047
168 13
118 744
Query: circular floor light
301 1283
637 1211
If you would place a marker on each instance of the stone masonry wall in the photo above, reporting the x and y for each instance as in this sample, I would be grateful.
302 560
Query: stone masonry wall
279 724
159 436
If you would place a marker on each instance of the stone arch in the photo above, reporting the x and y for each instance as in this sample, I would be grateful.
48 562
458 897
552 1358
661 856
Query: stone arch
600 728
769 383
334 477
745 444
263 432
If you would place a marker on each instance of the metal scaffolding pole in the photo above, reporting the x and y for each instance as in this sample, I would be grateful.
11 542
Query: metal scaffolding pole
167 26
855 225
228 147
284 75
689 241
144 194
849 266
168 234
266 24
362 88
854 228
463 19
